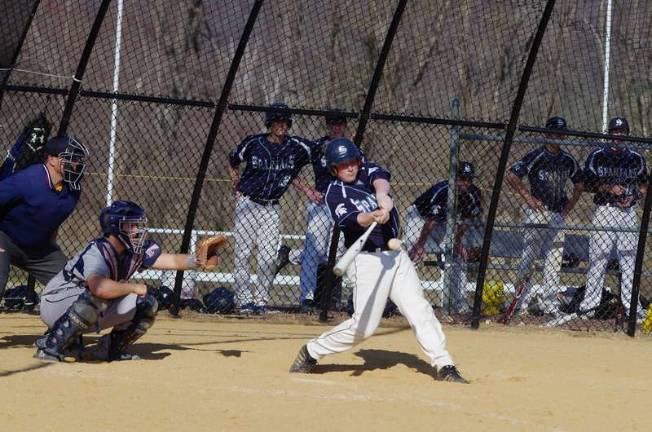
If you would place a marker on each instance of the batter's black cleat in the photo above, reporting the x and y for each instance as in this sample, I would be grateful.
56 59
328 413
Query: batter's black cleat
451 374
282 258
304 363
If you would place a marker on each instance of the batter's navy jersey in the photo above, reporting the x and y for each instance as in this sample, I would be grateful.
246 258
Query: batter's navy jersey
433 203
346 200
32 209
547 174
101 259
608 166
270 167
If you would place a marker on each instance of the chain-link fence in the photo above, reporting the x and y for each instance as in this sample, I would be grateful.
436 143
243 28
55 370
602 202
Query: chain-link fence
171 100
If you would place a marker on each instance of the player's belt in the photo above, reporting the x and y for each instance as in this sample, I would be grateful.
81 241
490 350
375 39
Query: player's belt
374 249
262 202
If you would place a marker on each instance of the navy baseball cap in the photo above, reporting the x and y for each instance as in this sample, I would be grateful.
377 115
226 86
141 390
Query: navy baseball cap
618 124
556 122
465 170
57 145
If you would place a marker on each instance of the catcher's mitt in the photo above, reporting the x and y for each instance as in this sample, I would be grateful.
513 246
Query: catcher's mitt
207 258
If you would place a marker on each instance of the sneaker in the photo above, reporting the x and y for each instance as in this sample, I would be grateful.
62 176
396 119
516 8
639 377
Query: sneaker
451 374
47 355
102 352
304 363
282 258
307 306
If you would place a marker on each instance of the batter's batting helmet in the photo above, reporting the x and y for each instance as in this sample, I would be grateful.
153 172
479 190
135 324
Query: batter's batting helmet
73 158
558 123
220 300
341 150
618 124
465 170
278 112
126 220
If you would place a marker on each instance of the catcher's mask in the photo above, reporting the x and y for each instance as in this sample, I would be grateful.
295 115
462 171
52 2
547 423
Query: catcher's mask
126 220
72 155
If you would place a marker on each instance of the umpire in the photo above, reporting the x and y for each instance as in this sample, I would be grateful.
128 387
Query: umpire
34 202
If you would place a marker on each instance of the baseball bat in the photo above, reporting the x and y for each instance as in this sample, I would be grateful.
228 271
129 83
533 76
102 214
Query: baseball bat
353 250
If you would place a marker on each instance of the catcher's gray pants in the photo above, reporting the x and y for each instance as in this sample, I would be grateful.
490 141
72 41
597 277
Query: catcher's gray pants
600 245
258 225
119 311
42 263
543 231
457 268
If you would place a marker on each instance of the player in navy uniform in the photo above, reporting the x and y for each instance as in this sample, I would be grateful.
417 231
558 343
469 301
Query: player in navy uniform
92 291
548 170
319 224
35 202
428 213
273 160
359 197
618 177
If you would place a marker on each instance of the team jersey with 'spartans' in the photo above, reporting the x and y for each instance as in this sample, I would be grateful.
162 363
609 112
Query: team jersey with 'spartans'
609 166
100 258
433 203
346 200
270 168
323 177
547 173
31 208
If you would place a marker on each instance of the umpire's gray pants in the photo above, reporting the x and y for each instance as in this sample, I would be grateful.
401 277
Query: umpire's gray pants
258 225
120 310
42 263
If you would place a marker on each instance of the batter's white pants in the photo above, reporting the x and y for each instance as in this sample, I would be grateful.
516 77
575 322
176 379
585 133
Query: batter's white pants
600 245
458 268
258 225
376 277
315 251
550 241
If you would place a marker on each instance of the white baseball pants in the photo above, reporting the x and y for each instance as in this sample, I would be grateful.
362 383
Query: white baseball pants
550 240
258 225
376 277
600 245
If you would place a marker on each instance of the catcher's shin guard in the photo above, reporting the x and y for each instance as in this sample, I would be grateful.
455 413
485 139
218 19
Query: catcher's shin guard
81 316
146 308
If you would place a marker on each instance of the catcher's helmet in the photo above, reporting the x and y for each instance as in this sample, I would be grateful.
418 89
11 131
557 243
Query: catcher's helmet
558 123
73 158
278 112
341 150
335 117
618 124
126 220
465 170
220 300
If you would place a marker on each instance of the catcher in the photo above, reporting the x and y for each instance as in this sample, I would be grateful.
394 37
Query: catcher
92 292
426 217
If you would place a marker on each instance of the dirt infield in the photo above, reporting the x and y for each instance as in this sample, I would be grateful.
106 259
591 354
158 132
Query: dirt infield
218 375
